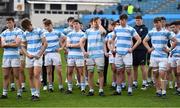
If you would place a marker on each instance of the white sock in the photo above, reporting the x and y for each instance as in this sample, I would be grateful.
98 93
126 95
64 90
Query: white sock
33 90
178 89
100 90
19 92
114 84
50 86
118 88
158 91
163 91
91 90
22 85
83 86
170 82
60 86
144 82
70 86
123 83
5 92
149 80
86 78
129 89
12 85
37 93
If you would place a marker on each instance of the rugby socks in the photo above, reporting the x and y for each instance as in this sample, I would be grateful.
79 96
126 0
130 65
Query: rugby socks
91 90
12 85
163 85
144 82
170 84
50 86
178 89
100 90
5 92
60 86
123 84
70 86
19 92
113 84
37 92
23 85
33 91
83 86
135 83
129 88
118 88
163 92
158 91
149 80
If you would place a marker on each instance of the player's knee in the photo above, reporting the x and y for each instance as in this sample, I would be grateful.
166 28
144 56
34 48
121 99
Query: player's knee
16 76
6 76
177 74
36 76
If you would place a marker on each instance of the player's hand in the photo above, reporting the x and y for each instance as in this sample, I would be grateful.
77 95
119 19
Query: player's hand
65 51
150 50
69 45
106 54
30 56
17 40
37 56
130 50
86 54
166 49
113 52
59 49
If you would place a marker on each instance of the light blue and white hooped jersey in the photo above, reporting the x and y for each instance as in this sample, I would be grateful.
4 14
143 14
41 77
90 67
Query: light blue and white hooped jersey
74 38
67 30
9 36
53 40
109 37
34 40
159 40
124 37
95 43
176 51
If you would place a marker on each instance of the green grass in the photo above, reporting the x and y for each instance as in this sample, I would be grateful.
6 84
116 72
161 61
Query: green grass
56 99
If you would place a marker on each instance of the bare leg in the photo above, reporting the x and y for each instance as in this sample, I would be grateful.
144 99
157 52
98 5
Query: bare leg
70 72
6 75
37 72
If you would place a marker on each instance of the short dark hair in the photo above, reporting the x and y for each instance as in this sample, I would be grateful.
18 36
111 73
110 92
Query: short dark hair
10 19
175 22
44 19
167 24
47 22
76 20
96 18
123 16
163 18
113 23
138 17
25 23
91 20
156 19
178 22
70 19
